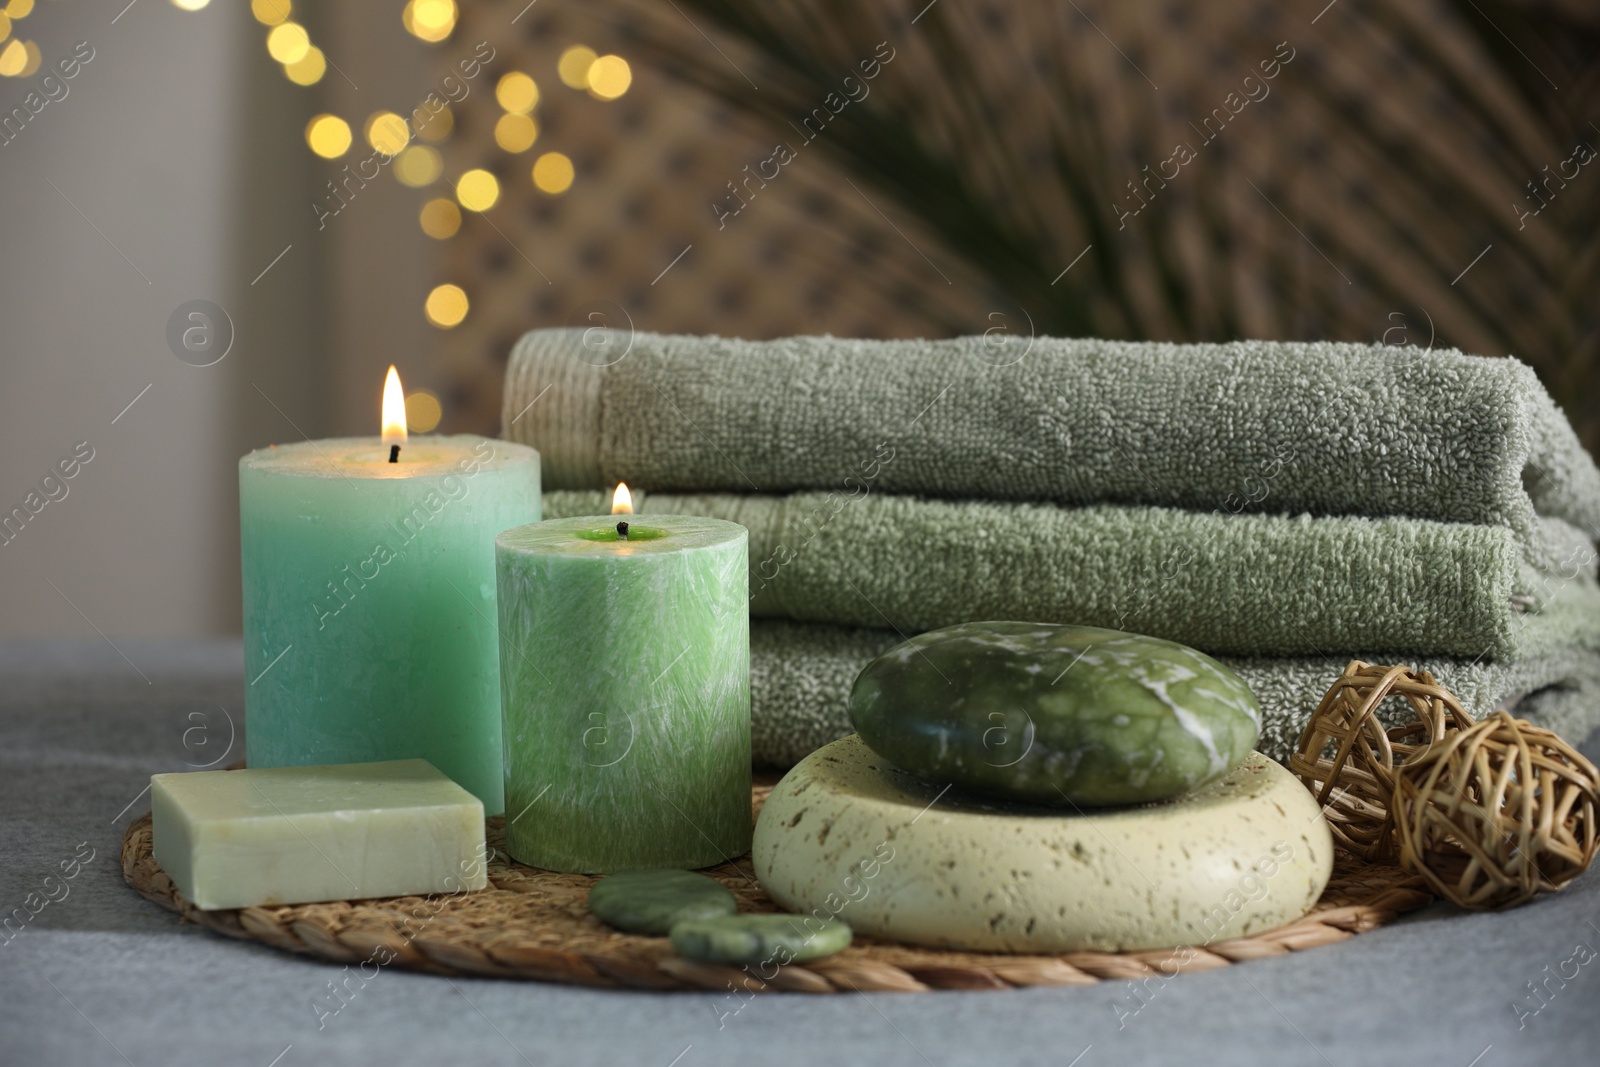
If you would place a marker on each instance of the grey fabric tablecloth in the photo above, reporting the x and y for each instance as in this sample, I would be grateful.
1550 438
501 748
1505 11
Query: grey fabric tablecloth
99 976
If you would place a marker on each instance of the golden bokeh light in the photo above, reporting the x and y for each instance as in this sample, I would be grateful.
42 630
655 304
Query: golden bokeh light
308 69
19 9
515 133
440 219
434 15
553 173
31 59
429 20
573 66
387 132
477 190
288 42
13 57
609 77
190 5
417 166
270 12
517 92
446 306
423 411
328 136
436 127
5 25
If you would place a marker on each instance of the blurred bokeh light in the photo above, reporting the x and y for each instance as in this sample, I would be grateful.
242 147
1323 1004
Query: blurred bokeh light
446 306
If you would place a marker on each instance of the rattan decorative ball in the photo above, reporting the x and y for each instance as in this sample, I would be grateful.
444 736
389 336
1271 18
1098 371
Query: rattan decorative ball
1494 814
1347 758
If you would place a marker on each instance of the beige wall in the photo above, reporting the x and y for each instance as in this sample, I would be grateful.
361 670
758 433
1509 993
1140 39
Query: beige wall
179 148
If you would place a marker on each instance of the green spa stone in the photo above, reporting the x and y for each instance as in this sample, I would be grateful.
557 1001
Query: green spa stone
654 901
780 939
1060 715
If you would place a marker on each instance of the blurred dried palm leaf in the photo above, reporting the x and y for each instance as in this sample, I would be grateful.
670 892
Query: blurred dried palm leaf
1377 185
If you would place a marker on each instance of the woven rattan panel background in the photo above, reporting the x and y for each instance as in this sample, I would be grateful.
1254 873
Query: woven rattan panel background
1285 224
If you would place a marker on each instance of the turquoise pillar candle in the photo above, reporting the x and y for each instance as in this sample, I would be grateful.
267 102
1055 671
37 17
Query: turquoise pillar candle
369 601
625 690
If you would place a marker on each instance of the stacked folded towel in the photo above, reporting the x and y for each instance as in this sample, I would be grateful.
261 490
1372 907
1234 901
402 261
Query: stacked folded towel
1284 506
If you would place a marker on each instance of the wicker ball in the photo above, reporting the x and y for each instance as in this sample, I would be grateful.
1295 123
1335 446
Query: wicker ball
1348 759
1497 813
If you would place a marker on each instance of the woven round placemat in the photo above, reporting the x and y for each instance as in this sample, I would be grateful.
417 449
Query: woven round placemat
535 924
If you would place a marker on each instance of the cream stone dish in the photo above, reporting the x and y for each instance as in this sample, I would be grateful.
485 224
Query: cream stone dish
845 835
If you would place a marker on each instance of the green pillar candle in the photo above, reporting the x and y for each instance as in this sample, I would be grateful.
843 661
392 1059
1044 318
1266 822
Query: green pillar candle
625 691
369 601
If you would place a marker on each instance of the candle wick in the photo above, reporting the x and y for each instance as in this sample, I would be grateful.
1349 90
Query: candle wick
394 453
622 530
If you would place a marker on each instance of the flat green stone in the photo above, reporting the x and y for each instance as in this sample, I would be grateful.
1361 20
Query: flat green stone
654 901
780 939
1060 715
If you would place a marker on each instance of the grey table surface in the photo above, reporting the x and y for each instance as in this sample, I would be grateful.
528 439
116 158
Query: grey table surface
100 976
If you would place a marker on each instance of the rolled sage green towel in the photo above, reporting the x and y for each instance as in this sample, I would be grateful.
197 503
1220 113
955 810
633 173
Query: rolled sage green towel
800 678
1255 585
1252 426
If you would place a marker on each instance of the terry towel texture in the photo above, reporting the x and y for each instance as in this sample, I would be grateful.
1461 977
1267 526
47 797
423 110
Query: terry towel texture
800 678
1257 585
1260 426
1286 507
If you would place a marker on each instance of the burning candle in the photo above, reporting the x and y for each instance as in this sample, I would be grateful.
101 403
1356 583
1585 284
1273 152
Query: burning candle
625 690
369 597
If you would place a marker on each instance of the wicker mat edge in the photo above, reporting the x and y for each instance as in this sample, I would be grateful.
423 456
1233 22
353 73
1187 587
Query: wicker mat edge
533 924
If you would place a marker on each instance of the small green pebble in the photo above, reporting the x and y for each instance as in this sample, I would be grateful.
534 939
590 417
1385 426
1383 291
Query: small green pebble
654 901
780 939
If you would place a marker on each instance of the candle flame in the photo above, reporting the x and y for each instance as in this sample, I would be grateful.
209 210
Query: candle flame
622 500
394 410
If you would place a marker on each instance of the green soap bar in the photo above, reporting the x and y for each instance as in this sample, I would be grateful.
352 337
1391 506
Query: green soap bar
654 901
291 835
780 939
1062 715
